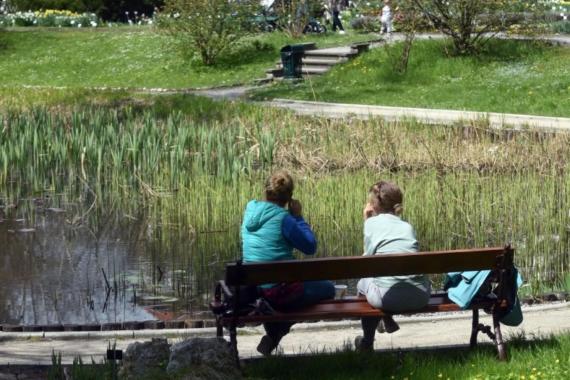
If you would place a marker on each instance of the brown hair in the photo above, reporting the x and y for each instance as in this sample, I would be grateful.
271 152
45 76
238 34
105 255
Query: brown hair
279 187
386 197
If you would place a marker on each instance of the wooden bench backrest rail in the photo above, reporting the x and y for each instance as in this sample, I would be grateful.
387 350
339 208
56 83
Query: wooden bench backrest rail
369 266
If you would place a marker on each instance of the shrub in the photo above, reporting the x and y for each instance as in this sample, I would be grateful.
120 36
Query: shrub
125 10
366 24
295 14
561 27
469 22
209 27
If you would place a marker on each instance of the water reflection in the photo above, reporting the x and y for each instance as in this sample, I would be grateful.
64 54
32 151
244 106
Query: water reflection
112 267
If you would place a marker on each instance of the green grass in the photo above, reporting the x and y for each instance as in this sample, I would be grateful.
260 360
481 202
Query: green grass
546 358
542 359
510 76
133 57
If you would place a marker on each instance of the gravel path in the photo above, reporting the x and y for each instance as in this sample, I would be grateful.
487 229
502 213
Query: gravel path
415 332
423 115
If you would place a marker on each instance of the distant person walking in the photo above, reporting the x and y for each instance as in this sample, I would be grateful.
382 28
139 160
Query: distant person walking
386 18
335 8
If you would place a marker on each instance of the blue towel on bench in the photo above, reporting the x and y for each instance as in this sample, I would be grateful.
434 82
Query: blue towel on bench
462 287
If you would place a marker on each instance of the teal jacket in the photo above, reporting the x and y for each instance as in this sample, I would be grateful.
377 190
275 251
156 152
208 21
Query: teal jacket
261 233
462 287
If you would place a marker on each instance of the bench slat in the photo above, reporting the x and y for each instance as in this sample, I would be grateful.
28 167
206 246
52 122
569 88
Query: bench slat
355 307
368 266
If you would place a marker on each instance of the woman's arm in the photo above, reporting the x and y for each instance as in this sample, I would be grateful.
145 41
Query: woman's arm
299 234
368 211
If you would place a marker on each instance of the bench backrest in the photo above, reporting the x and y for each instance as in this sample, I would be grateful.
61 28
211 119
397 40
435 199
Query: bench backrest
369 266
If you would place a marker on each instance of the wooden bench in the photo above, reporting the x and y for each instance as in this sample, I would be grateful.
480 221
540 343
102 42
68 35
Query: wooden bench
229 313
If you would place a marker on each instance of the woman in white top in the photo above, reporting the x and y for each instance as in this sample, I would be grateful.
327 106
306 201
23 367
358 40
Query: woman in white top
386 233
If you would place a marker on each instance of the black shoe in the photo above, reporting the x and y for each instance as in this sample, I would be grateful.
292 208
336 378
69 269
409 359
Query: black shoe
266 345
388 325
362 346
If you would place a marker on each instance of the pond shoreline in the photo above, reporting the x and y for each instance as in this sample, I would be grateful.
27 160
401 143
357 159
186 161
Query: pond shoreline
547 301
211 330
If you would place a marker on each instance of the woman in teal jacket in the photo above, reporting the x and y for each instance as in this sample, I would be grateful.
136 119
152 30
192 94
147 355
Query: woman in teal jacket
271 229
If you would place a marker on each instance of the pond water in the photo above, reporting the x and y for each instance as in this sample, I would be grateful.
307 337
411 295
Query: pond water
58 267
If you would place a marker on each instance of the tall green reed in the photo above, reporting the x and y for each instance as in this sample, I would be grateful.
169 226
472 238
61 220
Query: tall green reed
465 186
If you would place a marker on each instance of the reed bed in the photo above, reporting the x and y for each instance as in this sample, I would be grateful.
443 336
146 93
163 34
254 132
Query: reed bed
187 178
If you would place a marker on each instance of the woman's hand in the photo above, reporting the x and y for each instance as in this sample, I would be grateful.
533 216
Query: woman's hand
368 211
295 207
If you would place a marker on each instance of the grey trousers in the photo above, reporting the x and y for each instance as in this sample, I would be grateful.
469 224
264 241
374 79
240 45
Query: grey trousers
404 297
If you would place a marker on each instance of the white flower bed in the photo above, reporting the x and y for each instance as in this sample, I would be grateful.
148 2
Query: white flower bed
54 18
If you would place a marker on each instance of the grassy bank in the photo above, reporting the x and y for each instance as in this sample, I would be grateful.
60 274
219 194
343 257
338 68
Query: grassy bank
510 76
133 57
541 359
176 171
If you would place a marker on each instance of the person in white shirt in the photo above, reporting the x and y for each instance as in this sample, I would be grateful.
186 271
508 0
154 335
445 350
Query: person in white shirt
386 18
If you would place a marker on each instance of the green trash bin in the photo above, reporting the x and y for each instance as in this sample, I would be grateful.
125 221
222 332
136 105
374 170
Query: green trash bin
291 58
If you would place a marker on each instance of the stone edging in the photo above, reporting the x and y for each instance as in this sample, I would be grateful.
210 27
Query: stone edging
116 326
211 331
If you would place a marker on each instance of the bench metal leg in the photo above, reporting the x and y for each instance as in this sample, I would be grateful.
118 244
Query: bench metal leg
233 341
499 339
219 328
474 328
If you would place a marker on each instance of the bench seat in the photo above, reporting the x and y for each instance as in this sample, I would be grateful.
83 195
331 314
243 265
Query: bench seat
353 308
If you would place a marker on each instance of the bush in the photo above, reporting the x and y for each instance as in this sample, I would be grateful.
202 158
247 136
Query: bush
366 24
470 22
295 14
209 27
116 10
562 27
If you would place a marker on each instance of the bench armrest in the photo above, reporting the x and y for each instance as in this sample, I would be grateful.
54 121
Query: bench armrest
221 294
222 288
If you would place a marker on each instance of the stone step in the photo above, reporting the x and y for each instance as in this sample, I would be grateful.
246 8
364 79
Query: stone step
315 70
332 52
324 61
321 61
310 69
